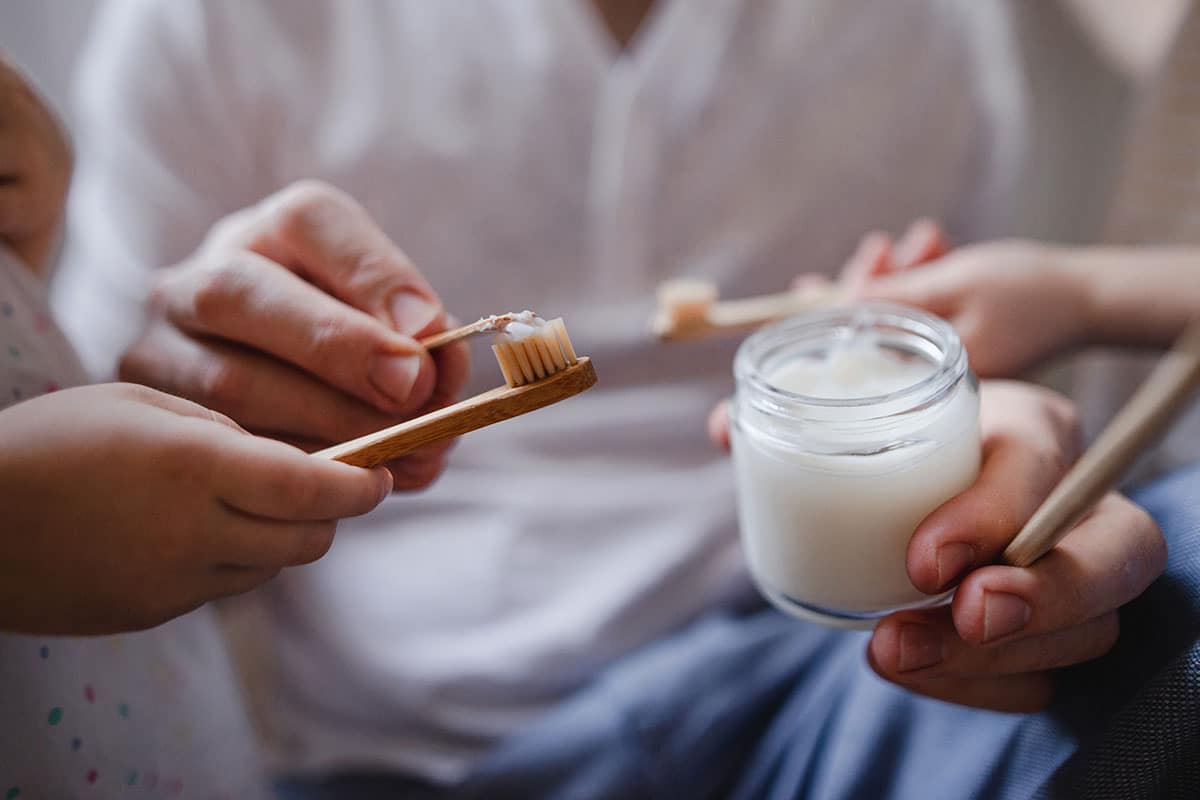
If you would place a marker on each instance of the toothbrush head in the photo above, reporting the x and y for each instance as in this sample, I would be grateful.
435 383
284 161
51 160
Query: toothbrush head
530 349
683 306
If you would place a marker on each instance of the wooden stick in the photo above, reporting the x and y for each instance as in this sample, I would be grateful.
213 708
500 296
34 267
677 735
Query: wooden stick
485 325
468 415
733 316
1148 413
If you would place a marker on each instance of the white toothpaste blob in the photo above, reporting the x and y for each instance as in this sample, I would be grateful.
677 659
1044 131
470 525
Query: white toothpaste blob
519 325
848 428
502 322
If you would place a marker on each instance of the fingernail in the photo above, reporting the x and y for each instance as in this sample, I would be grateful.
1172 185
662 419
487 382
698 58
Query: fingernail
395 375
386 483
1003 614
412 313
920 647
953 560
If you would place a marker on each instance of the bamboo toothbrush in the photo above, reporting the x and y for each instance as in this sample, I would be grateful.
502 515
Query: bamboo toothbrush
540 368
690 309
1157 403
493 324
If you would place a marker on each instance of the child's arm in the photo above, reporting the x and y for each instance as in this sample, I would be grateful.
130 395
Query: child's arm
35 168
124 507
1017 303
1136 296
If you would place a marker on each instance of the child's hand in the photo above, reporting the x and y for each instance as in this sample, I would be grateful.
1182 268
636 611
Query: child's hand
1014 303
297 318
35 168
124 507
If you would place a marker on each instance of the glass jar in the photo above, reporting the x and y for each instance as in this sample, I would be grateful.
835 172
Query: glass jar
848 427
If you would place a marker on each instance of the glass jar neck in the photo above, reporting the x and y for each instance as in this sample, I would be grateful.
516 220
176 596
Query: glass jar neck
901 332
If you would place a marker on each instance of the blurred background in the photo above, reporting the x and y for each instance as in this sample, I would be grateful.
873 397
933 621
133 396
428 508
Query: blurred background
1085 61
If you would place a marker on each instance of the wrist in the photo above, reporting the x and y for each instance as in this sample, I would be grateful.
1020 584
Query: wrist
1076 276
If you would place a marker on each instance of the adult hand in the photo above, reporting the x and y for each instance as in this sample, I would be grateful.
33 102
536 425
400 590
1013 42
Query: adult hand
125 507
1008 627
1013 303
35 168
297 317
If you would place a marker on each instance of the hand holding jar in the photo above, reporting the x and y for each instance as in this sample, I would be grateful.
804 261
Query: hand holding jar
996 645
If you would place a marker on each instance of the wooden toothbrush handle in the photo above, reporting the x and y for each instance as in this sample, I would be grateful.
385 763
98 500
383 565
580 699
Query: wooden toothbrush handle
1147 414
447 337
492 324
754 311
745 314
465 416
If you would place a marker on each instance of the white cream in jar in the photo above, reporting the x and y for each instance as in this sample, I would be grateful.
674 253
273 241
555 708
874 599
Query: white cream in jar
848 427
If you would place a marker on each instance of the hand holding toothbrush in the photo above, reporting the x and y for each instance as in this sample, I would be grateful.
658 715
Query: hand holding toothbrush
298 318
125 507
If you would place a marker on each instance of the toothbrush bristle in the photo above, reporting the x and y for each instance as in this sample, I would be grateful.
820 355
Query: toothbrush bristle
686 300
540 354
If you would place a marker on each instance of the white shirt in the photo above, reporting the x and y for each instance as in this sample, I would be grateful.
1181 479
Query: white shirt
150 714
521 162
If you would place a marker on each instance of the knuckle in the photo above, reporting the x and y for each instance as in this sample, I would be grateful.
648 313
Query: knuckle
1053 461
162 288
307 204
222 385
219 289
995 530
309 192
377 272
1066 418
331 338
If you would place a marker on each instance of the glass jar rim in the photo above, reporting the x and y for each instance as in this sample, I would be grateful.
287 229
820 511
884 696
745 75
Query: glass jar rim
949 367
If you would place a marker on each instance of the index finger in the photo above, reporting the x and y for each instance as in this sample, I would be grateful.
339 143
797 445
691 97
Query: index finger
330 240
266 478
1104 562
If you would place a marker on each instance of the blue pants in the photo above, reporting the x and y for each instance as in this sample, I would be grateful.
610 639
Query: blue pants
762 706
